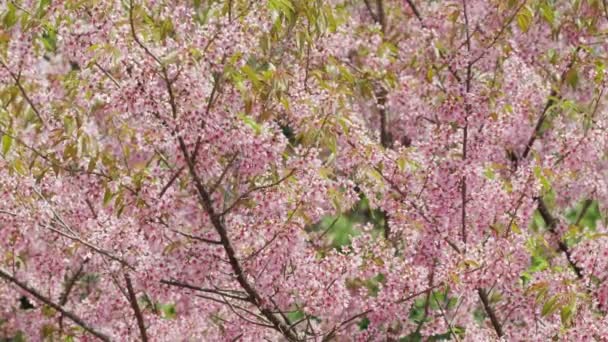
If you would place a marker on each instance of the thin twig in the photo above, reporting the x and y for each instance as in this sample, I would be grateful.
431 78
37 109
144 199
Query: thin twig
23 92
171 181
200 289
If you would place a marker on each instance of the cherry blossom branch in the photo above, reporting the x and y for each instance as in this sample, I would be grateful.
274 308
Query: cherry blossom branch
381 99
466 24
136 38
198 238
416 294
500 33
254 189
403 195
232 308
224 172
551 223
553 97
381 15
490 311
206 202
63 299
170 182
73 317
107 73
445 318
370 10
16 78
200 289
591 118
136 310
337 328
72 234
414 9
91 246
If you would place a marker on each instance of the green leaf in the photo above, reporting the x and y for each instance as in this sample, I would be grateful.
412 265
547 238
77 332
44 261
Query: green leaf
548 13
413 337
566 313
282 6
49 39
107 196
7 141
42 8
169 311
364 323
249 121
572 77
489 173
252 75
524 18
550 306
538 264
10 16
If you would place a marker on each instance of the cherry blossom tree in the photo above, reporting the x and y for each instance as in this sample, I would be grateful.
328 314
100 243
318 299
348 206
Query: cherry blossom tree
341 170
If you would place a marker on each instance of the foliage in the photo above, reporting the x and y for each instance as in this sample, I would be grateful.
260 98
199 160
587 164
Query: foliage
300 170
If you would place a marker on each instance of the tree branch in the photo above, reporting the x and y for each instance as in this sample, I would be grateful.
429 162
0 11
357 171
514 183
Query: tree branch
200 289
490 312
5 275
23 92
555 94
551 223
136 309
410 3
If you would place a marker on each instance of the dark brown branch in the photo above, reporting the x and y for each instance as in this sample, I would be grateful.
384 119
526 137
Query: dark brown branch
414 295
381 17
381 99
91 208
200 289
427 301
198 238
331 334
410 3
217 78
69 285
91 246
553 96
551 223
466 24
105 72
5 275
490 312
23 92
171 181
136 310
254 189
206 202
224 172
136 38
586 205
370 10
500 33
445 317
465 130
